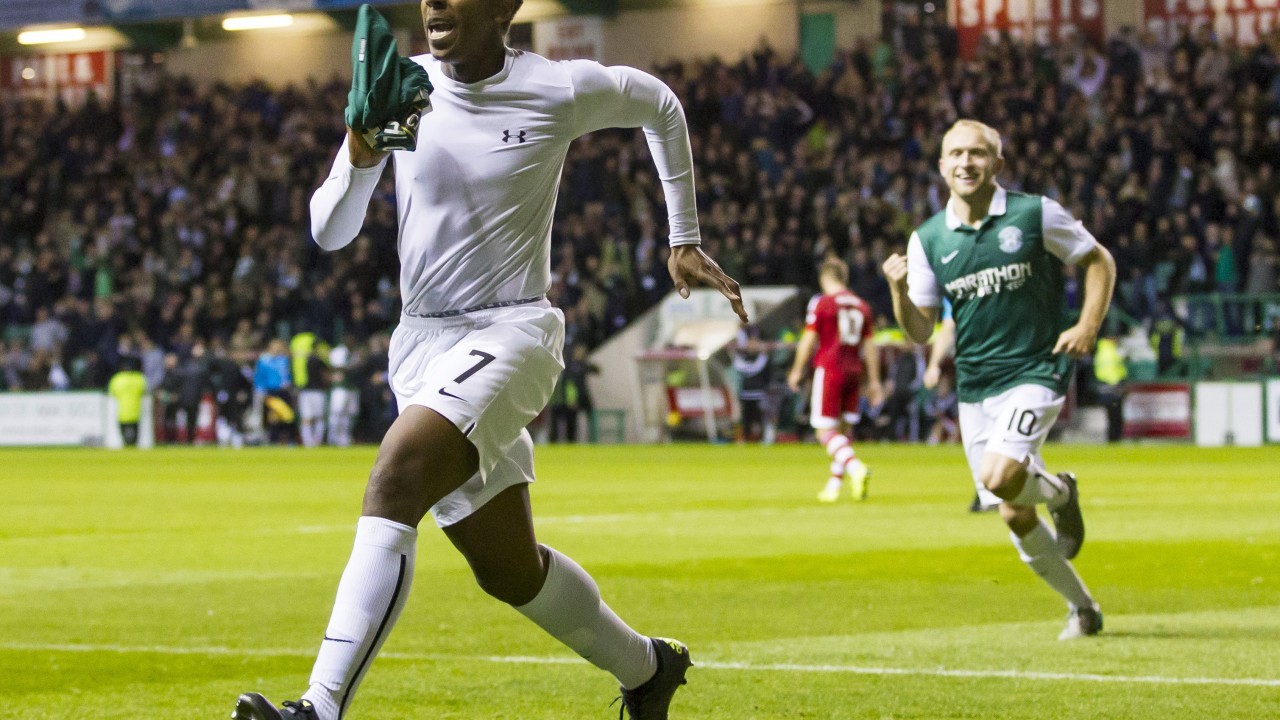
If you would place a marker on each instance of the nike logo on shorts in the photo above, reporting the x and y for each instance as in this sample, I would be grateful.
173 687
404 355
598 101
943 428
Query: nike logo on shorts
351 642
949 257
446 393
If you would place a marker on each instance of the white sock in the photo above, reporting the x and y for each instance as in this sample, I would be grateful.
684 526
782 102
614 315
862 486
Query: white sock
1039 550
840 449
371 595
1040 487
569 608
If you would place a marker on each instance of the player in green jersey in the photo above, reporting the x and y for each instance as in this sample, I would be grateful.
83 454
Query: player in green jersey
998 256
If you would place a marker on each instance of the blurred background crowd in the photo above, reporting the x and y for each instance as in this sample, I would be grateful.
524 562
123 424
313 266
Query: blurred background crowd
169 231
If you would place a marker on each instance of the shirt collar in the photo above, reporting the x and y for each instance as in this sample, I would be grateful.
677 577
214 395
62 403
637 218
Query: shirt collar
999 202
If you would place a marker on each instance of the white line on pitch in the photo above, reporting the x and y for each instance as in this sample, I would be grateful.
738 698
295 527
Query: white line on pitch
703 664
1009 674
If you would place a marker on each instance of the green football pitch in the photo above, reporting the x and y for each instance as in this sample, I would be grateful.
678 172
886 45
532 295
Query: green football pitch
161 584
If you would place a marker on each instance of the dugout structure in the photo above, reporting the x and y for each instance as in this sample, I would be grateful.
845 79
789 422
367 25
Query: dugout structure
678 385
673 336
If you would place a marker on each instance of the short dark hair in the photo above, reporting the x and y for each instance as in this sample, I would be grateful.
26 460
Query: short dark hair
836 268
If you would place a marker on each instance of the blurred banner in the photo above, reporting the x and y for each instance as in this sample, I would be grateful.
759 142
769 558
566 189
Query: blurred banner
69 418
16 13
1243 21
570 38
1046 22
70 76
1157 410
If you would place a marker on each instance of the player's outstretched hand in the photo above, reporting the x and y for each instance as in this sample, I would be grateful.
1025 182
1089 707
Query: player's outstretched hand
689 264
895 271
1076 341
361 153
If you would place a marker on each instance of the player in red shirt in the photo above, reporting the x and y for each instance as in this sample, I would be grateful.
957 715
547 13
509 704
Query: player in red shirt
840 324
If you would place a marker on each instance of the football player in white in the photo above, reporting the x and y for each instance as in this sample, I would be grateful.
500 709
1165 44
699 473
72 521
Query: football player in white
478 348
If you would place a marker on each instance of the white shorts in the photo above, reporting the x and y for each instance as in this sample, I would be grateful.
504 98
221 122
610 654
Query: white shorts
1014 423
489 372
311 405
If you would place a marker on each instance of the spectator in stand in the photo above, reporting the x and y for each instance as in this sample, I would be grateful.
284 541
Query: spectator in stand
377 403
232 393
151 357
8 381
48 334
344 396
167 395
272 380
312 394
942 412
899 418
570 398
193 383
750 358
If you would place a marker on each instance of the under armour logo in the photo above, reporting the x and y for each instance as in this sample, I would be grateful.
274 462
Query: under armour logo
506 136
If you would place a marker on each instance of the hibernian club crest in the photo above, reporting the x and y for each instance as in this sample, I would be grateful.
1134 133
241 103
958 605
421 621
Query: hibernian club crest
1010 239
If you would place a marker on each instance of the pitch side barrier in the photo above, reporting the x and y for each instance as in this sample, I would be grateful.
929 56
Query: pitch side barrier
50 419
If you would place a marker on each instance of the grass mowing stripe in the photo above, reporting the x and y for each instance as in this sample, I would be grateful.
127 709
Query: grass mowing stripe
701 664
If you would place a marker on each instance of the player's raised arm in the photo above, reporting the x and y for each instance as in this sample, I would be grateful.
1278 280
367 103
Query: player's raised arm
338 206
916 295
916 322
624 97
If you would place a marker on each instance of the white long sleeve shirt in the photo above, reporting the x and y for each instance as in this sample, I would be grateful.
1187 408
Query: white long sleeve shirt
476 197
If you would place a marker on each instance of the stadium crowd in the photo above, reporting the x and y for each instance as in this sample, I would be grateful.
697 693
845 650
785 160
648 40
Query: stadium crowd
171 225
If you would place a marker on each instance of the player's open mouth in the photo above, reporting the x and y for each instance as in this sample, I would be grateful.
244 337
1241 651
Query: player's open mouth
440 30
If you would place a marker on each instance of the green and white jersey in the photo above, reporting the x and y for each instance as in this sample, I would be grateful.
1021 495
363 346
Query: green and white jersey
1005 283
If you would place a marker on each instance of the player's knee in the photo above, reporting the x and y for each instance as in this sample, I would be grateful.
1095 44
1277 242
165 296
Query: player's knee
395 491
1002 480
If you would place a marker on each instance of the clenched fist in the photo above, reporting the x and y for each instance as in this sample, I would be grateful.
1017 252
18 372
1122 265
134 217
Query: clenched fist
895 270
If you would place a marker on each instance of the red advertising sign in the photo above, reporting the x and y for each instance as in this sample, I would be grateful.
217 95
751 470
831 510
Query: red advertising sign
1045 21
1157 410
1241 20
70 75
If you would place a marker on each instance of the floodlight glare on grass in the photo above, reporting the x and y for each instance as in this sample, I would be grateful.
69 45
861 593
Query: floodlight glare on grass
52 35
257 22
